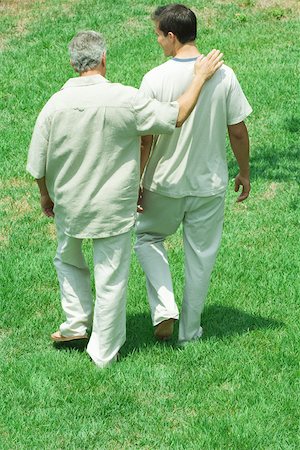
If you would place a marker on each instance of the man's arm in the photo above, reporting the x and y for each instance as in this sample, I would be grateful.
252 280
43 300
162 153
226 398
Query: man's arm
46 202
146 144
37 158
239 140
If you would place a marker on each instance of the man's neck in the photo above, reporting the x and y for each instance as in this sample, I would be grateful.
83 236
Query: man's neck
188 50
89 73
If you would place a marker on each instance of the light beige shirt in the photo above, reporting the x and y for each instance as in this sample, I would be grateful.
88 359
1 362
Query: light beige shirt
192 160
86 143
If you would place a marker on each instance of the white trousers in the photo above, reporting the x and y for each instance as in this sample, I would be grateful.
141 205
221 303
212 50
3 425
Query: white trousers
202 221
111 268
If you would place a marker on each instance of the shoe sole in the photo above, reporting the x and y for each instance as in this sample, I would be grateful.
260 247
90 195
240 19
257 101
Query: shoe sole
68 338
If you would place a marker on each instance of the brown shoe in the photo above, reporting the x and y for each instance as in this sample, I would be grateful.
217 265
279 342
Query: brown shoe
164 330
57 337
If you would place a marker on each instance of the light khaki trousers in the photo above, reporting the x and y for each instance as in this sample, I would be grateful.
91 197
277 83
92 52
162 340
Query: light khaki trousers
202 221
111 267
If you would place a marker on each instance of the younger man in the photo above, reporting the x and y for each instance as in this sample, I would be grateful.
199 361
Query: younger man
186 176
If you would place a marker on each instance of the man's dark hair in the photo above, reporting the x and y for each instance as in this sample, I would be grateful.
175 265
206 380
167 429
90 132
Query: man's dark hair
178 19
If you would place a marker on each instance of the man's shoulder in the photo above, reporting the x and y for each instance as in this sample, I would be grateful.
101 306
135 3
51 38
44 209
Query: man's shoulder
49 108
104 94
167 69
122 88
223 76
119 95
227 70
158 70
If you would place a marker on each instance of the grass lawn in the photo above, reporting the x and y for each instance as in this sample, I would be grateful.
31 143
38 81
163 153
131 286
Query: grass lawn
239 387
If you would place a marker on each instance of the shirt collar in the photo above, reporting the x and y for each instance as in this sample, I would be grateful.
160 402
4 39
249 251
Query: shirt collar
185 59
85 81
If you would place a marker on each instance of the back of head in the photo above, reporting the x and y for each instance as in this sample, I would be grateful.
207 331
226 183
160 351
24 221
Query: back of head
179 20
86 50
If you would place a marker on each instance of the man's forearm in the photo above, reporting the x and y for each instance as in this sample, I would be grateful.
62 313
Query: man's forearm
239 141
188 100
240 147
146 144
46 202
41 182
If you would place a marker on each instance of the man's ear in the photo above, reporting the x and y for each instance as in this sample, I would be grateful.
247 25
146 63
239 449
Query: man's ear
103 60
72 65
171 36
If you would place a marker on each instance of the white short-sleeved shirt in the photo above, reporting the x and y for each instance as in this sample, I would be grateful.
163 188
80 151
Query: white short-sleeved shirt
86 143
192 160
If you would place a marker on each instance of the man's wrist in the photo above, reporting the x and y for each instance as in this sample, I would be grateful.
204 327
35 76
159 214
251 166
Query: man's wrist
45 200
244 173
200 78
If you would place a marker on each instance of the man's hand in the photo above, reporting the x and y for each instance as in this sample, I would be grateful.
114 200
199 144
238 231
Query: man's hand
206 66
47 205
140 207
146 144
46 202
245 183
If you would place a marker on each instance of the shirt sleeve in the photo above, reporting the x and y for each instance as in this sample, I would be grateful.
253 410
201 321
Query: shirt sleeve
154 117
37 155
238 107
146 89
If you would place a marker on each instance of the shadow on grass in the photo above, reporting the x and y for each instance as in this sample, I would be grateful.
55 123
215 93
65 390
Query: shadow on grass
218 321
272 163
78 345
139 333
223 321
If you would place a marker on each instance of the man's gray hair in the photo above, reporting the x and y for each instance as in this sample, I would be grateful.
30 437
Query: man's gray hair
86 50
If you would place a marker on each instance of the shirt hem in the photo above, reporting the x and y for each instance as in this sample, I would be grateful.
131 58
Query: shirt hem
96 235
211 193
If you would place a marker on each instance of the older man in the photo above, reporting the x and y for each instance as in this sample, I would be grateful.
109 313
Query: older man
84 155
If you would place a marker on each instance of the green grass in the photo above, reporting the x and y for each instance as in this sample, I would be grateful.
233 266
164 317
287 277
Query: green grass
239 387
